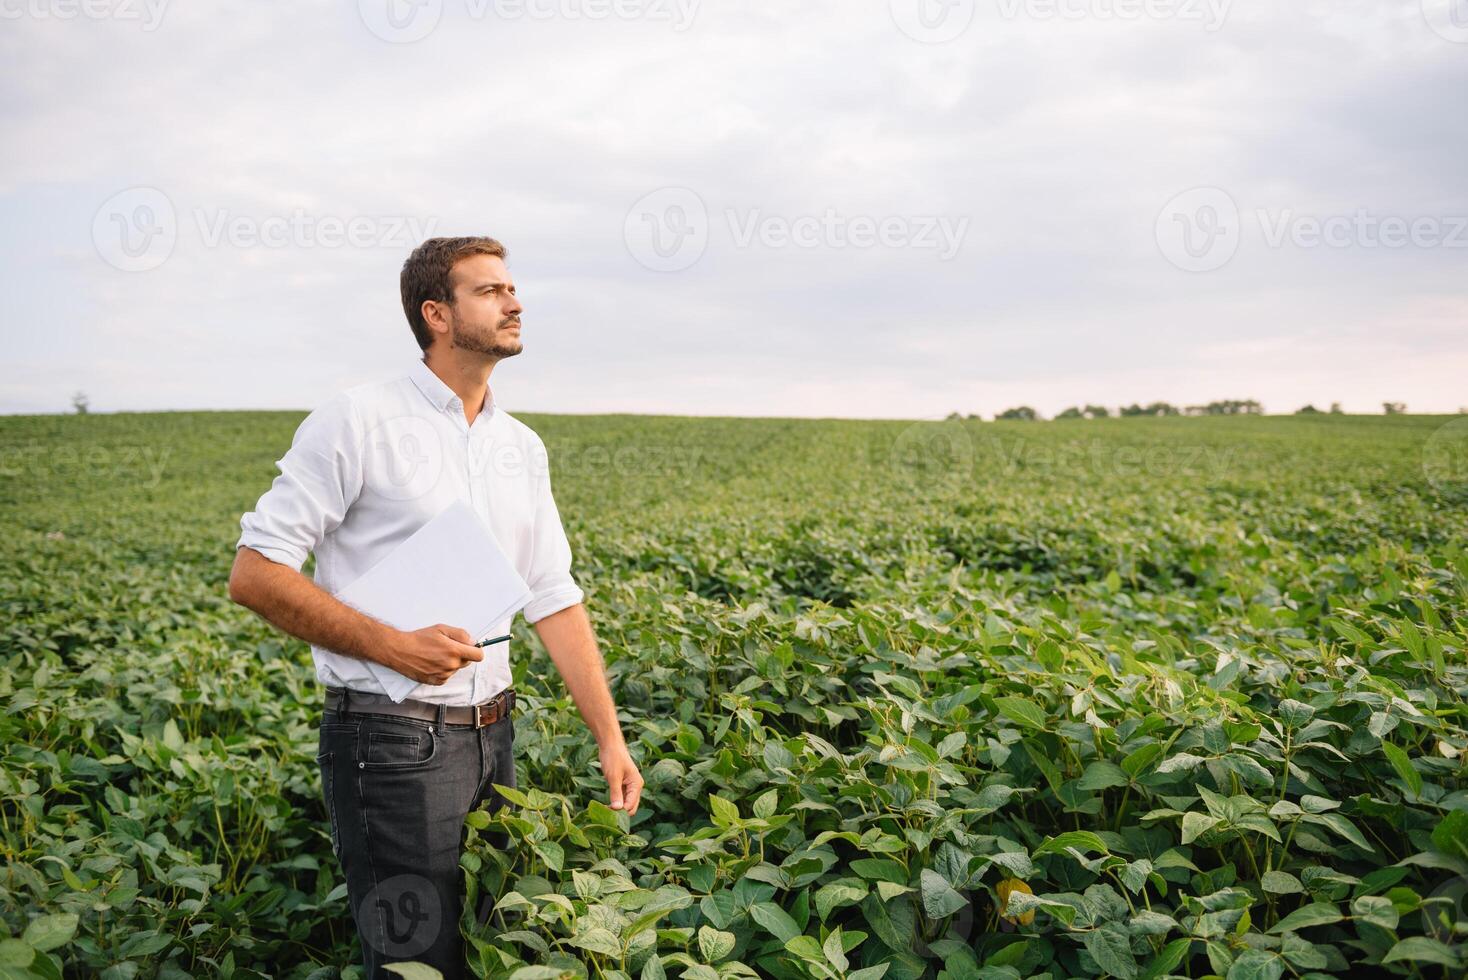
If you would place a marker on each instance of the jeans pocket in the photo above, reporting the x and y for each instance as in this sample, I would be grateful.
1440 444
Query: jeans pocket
381 748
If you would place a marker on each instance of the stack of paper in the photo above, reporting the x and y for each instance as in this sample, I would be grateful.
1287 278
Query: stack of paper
450 571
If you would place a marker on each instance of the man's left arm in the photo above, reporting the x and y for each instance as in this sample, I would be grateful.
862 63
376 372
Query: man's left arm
569 640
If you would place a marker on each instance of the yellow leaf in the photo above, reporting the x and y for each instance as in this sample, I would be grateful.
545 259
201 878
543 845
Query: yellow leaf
1007 887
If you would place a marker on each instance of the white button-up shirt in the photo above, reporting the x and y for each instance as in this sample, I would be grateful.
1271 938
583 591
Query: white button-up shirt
377 462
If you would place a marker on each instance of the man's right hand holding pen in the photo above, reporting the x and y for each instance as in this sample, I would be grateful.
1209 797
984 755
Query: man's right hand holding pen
435 653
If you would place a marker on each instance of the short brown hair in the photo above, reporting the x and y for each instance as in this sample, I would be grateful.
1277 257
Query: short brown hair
425 276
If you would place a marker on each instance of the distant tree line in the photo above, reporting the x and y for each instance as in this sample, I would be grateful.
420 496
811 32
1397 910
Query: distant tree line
1246 406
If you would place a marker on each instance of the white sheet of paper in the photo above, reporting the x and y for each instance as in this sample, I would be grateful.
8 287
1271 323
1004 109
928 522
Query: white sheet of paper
451 570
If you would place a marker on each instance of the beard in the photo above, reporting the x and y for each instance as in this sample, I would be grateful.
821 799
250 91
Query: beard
491 343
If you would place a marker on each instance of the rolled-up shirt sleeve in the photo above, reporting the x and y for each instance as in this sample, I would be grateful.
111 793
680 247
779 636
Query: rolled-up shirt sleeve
550 579
320 477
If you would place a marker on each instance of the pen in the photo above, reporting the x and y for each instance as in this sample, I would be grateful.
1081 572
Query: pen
492 639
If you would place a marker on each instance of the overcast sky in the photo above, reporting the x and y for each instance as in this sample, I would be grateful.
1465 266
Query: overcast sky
863 208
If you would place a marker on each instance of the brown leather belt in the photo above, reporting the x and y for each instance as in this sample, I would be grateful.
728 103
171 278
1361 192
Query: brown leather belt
371 703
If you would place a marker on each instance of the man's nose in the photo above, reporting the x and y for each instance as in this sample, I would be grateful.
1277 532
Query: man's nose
514 306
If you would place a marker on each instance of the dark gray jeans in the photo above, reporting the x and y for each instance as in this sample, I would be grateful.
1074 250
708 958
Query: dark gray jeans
397 791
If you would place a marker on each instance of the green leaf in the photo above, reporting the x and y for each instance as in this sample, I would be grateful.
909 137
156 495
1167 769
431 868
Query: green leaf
713 944
1451 835
413 971
50 931
765 804
835 953
1403 765
892 928
13 952
1166 961
1377 910
806 948
1136 761
774 920
1196 824
1315 914
884 869
1102 775
1112 950
843 891
551 853
1280 883
1295 714
1081 840
598 940
725 814
1256 964
1182 762
939 898
1421 949
1023 711
869 973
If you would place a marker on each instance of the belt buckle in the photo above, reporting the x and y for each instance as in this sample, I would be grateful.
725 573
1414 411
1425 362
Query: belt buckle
493 710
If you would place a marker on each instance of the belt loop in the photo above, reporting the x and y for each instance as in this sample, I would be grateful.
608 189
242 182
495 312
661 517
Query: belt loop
345 707
440 717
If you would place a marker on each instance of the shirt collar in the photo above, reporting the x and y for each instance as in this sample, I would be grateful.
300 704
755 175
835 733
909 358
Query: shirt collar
440 394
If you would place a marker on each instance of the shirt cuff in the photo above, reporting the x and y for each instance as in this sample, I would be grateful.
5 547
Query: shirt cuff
552 602
275 552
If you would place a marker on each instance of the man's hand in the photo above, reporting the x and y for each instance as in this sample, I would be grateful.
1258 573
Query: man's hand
623 779
433 654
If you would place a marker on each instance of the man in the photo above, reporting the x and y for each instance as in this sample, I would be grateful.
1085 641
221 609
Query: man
364 471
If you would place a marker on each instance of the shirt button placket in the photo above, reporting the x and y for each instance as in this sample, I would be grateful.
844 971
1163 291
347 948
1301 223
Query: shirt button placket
478 667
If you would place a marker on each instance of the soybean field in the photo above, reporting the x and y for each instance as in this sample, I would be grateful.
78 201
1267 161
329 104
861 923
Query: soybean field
1129 697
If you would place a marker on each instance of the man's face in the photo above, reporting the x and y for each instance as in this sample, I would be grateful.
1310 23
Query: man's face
485 315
